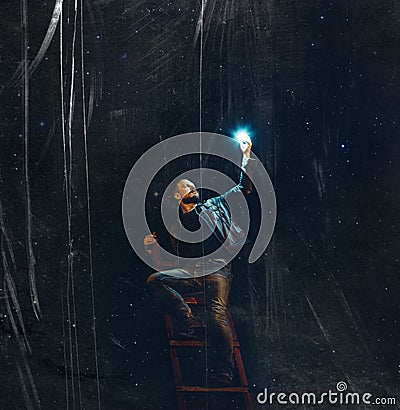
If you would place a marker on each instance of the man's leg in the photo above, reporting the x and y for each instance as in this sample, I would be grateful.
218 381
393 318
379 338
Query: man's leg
167 286
217 292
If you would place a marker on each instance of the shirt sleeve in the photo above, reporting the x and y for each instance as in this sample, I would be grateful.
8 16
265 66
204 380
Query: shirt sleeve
248 167
245 185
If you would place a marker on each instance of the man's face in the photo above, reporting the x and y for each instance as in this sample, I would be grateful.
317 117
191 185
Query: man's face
186 191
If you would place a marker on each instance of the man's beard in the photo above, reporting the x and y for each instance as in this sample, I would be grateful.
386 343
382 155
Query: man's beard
192 199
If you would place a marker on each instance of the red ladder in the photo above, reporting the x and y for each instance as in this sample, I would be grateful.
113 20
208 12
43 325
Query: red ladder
182 389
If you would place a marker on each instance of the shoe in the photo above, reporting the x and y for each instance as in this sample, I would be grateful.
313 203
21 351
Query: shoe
189 335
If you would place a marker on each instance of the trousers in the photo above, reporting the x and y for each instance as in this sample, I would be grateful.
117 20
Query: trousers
169 286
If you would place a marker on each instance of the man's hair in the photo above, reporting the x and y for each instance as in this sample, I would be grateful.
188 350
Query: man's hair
169 194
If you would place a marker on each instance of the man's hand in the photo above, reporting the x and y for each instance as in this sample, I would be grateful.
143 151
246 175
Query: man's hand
245 145
149 240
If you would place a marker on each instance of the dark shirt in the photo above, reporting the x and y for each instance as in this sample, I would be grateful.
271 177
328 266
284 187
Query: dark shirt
191 222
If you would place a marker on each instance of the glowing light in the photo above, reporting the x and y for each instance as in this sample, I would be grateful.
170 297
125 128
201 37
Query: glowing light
241 135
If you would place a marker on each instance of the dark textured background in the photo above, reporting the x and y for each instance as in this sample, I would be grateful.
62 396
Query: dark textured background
317 82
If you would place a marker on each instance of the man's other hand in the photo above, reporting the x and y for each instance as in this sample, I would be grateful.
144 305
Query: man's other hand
149 240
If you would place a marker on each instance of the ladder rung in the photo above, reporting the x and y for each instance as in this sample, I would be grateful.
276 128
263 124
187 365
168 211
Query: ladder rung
195 343
212 389
194 300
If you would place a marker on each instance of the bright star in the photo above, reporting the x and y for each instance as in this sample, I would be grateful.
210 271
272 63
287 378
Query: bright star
241 135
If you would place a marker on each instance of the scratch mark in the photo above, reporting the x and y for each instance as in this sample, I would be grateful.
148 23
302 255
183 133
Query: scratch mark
25 99
19 73
66 179
88 206
46 146
48 37
323 330
21 379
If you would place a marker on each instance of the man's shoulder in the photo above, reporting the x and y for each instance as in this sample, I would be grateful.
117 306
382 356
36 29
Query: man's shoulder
211 204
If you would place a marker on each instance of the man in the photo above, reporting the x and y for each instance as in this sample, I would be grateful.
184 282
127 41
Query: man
169 285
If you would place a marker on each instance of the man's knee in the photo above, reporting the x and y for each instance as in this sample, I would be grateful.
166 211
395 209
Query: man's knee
154 280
